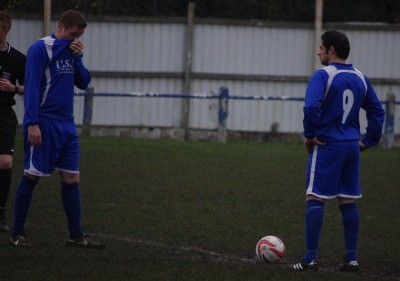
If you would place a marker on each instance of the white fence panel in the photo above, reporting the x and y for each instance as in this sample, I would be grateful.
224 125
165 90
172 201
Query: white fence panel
261 60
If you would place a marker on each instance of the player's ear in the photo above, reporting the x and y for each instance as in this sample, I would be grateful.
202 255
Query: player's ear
61 26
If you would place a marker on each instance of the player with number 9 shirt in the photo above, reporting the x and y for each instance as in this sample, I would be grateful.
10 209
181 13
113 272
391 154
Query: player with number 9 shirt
334 97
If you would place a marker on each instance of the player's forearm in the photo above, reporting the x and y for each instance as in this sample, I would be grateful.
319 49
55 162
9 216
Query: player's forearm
19 89
31 104
311 117
375 118
81 74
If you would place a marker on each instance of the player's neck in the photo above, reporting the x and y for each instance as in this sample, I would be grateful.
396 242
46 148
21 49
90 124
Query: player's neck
337 60
333 58
3 46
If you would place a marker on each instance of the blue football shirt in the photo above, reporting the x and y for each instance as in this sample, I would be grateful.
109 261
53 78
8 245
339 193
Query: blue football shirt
334 97
52 71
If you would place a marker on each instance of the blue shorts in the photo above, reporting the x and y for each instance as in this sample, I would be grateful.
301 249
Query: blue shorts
333 170
59 149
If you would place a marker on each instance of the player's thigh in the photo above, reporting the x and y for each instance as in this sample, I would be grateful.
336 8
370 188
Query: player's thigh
40 160
68 161
7 137
350 177
323 170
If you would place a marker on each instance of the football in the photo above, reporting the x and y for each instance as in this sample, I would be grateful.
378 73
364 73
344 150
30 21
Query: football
270 249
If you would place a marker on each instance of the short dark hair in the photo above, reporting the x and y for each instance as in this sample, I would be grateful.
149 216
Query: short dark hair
5 18
339 41
73 18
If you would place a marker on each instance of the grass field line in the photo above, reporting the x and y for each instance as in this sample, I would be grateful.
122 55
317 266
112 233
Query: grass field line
194 252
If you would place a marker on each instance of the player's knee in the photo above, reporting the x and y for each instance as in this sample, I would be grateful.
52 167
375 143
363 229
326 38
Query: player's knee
32 177
5 163
69 178
313 197
343 201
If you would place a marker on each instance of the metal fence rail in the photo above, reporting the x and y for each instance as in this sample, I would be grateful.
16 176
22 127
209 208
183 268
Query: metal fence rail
223 98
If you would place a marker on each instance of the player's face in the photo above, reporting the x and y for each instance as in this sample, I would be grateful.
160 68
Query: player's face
4 29
323 54
70 33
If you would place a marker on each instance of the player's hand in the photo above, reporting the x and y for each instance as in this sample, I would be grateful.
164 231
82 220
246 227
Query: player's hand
6 85
76 47
311 142
34 135
363 147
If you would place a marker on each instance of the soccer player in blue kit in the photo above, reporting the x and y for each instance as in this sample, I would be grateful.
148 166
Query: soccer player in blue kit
54 66
334 97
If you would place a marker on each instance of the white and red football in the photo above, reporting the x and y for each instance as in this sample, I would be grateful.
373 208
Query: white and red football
270 249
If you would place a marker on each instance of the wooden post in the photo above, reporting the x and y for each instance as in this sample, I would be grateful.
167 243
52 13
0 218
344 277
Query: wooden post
188 69
319 8
87 112
47 17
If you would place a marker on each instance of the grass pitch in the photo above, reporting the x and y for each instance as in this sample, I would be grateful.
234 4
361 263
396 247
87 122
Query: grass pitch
171 210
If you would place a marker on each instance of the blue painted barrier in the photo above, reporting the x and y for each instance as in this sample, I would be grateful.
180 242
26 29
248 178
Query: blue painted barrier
223 100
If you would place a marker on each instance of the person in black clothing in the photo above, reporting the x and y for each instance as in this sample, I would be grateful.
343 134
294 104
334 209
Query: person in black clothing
12 74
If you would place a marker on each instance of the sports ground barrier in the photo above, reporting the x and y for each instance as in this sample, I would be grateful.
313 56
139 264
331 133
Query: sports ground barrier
223 100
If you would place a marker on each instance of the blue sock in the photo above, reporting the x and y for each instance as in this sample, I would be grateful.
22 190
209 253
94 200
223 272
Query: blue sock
23 198
351 221
70 196
314 221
